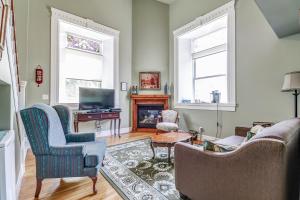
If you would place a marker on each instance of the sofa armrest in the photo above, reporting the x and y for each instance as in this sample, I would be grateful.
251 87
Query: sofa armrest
68 150
80 137
250 172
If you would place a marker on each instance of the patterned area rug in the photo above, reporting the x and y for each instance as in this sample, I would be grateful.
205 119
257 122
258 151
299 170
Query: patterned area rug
131 170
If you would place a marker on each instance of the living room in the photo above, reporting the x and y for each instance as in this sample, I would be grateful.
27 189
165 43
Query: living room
113 99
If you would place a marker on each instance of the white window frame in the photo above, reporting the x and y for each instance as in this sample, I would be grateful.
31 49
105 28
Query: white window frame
58 15
228 9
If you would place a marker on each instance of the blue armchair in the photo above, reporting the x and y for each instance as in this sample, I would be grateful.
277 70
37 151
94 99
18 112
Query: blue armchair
59 153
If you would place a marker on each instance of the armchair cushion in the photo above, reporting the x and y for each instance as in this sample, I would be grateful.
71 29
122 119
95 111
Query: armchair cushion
64 116
56 136
80 137
167 126
95 152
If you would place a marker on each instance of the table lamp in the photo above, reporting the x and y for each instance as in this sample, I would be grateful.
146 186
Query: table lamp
292 83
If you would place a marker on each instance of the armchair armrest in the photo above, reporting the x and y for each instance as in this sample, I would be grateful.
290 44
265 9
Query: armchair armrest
249 172
80 137
68 150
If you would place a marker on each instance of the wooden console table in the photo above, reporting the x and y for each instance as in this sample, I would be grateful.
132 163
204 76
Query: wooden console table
98 116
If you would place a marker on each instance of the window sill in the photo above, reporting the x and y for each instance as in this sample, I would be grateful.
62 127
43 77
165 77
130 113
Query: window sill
207 106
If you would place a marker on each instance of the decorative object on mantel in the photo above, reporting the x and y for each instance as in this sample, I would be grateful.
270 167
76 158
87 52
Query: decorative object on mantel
4 17
149 80
134 90
166 89
292 83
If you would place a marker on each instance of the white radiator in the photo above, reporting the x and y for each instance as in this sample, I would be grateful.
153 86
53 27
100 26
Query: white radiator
7 166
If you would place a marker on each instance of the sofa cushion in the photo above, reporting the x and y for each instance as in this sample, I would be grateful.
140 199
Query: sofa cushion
167 126
283 130
231 141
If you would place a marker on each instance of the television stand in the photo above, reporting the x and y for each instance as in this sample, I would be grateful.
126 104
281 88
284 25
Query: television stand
114 117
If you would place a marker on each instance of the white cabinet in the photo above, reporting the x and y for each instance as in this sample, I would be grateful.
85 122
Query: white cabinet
7 166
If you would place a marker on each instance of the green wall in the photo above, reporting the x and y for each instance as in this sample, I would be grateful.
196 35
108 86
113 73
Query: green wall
150 35
261 61
33 33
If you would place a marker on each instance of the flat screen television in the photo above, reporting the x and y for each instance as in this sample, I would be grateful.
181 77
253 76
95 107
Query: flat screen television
91 98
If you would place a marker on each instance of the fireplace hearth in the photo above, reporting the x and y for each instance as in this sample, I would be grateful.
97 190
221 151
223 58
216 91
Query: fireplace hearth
148 114
145 110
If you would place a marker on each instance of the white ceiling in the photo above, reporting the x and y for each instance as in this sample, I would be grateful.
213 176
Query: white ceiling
166 1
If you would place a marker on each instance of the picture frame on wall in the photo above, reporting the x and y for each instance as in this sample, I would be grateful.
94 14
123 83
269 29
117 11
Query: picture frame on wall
4 9
123 86
149 80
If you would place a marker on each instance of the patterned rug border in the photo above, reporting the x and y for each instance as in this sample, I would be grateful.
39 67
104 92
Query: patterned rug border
114 185
105 172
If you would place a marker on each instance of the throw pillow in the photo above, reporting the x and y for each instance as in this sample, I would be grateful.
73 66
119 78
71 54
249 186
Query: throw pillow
211 146
253 131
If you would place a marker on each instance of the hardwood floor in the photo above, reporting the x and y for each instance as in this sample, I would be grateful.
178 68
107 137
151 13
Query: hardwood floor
72 188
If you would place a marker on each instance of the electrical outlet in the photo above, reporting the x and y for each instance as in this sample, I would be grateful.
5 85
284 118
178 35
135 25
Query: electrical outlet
45 97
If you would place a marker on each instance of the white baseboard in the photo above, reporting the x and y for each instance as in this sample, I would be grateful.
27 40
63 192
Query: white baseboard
106 133
24 147
20 178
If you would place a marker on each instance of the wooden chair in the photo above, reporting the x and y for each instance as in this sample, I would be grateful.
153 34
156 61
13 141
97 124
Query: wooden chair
168 121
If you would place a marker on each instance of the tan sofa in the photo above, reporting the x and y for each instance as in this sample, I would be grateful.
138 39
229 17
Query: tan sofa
265 168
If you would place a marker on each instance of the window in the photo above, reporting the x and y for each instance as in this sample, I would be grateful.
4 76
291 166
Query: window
83 54
81 61
205 61
72 86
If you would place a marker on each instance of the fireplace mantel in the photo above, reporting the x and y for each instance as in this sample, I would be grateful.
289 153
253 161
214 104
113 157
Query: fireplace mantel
137 100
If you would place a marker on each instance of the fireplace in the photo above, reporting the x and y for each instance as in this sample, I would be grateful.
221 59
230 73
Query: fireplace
145 109
148 114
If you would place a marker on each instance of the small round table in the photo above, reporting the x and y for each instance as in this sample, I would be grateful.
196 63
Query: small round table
169 140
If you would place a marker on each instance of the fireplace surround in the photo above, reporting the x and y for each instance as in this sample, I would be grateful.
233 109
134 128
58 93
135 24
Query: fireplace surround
145 109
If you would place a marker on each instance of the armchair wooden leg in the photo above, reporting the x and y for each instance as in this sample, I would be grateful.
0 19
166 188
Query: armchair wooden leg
38 187
94 179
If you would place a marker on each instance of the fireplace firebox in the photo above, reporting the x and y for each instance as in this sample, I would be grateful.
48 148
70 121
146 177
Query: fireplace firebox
145 109
148 114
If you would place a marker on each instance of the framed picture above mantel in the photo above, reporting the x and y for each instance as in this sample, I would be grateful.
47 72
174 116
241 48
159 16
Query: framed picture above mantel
149 80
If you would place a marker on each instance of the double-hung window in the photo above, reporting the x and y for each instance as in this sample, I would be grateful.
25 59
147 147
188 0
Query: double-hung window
84 54
205 61
209 54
